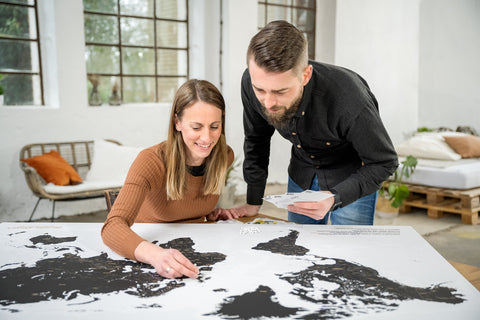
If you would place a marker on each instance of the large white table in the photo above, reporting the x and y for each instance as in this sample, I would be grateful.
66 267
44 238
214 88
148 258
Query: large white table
248 271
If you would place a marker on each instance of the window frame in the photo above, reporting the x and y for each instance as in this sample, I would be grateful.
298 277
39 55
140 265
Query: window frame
121 75
33 6
312 33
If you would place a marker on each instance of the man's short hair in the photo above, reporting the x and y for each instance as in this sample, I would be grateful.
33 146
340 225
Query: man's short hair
279 47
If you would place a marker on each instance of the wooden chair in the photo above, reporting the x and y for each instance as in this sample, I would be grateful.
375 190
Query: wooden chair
110 197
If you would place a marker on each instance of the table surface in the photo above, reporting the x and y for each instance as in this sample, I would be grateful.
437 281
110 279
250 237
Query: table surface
247 271
471 273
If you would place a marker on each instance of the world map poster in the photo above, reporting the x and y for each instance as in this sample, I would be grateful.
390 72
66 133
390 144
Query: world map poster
247 271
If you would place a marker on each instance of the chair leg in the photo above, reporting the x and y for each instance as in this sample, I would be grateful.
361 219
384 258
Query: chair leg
53 210
34 209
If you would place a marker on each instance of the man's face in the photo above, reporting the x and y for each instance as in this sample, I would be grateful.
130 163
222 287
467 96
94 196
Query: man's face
279 93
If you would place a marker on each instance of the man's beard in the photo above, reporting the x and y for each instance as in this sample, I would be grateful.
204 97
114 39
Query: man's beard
282 118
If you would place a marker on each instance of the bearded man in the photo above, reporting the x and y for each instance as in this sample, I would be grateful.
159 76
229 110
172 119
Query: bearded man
329 114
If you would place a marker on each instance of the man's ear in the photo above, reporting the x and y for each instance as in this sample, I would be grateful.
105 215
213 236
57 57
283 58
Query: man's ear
307 74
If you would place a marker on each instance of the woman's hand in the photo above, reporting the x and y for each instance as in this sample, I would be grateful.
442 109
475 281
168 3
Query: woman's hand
245 210
169 263
315 210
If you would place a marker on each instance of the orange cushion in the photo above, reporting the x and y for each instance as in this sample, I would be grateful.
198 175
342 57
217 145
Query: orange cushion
52 167
466 146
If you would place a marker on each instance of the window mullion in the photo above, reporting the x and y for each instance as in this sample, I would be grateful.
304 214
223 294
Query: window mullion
39 55
120 49
155 51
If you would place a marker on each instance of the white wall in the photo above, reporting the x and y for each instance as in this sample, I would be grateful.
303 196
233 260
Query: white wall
389 42
420 58
449 91
379 40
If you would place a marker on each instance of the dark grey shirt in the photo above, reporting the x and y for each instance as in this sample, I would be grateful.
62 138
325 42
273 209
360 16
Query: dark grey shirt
336 134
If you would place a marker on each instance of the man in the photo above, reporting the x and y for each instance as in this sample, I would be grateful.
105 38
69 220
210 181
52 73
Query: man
339 144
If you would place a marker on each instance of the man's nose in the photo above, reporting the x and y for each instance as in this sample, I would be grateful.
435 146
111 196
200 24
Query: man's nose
270 100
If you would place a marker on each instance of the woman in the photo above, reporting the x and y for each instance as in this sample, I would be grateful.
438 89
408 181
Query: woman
178 180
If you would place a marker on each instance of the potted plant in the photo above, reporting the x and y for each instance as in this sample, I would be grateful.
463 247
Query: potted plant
393 191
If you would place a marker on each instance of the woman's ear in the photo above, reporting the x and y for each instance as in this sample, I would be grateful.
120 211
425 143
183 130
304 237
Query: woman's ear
177 123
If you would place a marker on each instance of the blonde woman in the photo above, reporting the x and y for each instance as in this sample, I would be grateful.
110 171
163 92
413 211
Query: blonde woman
178 180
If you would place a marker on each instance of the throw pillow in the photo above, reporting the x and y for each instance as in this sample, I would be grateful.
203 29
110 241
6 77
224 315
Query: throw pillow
52 167
428 145
110 161
466 146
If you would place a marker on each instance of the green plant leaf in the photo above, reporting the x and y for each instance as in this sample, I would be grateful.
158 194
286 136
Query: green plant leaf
401 193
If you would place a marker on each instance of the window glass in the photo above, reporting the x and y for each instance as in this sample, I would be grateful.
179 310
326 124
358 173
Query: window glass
172 62
138 61
171 34
300 13
171 9
20 68
139 89
138 49
104 6
101 29
102 59
137 7
137 32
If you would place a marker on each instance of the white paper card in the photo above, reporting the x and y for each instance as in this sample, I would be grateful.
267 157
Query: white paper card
283 200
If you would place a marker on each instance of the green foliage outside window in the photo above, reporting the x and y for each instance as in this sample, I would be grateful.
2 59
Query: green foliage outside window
137 50
19 58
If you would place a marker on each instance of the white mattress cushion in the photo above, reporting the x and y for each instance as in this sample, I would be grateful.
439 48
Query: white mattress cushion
84 186
459 174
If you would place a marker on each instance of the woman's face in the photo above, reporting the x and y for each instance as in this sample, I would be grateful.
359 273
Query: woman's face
201 127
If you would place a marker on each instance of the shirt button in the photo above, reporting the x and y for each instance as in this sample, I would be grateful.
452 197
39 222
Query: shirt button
318 167
294 133
299 146
303 113
312 157
328 143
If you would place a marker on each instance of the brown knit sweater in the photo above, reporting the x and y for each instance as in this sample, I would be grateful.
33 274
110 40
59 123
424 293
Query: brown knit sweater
143 198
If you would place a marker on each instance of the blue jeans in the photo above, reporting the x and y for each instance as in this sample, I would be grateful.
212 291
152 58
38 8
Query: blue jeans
360 212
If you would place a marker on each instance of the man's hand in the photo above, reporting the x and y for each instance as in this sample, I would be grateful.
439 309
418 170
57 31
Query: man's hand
245 210
169 263
315 210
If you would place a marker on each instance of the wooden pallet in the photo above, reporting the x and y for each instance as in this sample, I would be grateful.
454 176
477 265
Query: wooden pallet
439 201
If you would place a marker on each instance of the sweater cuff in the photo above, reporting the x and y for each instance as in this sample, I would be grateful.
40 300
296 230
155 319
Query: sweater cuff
255 194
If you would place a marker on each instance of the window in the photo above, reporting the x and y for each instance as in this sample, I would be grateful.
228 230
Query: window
136 50
20 67
300 13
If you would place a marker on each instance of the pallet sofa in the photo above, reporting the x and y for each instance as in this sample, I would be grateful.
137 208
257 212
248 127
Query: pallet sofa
447 177
102 164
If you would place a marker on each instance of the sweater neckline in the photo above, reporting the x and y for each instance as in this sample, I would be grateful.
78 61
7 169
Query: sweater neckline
196 171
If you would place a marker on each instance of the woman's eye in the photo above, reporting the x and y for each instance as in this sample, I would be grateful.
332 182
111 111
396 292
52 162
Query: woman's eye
214 127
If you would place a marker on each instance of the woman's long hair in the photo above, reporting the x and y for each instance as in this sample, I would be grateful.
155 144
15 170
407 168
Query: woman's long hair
175 154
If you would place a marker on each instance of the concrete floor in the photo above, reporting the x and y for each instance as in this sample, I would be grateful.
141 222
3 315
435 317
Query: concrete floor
452 239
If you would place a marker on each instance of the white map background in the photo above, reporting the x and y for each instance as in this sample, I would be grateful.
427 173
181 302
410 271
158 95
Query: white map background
282 271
